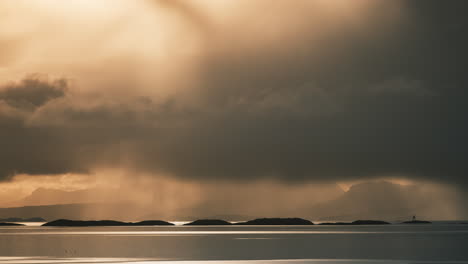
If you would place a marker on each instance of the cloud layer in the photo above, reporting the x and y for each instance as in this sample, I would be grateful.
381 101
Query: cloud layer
297 92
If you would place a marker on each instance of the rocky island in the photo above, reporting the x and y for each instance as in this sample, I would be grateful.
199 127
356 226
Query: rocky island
208 222
277 221
65 222
359 222
417 222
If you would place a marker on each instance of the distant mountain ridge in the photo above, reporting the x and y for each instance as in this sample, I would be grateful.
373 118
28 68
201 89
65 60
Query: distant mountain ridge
46 196
374 200
17 219
369 200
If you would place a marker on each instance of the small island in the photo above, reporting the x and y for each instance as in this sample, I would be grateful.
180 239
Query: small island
359 222
66 222
277 221
10 224
417 222
151 223
202 222
414 221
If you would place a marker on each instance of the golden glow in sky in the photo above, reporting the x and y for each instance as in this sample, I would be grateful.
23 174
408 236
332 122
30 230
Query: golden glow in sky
127 56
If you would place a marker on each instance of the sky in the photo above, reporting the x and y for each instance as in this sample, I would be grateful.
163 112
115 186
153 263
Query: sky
196 100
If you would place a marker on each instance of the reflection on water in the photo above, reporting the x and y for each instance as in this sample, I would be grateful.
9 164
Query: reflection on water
207 232
47 260
394 244
31 223
27 260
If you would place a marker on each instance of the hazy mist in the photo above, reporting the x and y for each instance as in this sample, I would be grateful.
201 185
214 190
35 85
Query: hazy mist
183 108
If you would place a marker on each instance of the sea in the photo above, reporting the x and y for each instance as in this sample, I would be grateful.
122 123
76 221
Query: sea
437 243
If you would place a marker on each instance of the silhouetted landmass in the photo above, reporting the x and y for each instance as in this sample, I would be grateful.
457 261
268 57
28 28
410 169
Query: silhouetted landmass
10 224
151 223
200 222
277 221
18 219
359 222
417 222
209 222
65 222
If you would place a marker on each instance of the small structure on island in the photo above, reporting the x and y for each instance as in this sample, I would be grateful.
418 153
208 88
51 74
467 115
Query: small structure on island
414 221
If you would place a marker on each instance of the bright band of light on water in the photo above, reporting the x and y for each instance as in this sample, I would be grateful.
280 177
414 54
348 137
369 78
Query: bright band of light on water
45 260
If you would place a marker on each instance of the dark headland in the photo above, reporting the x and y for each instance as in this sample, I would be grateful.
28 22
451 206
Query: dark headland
208 222
277 221
65 222
359 222
10 224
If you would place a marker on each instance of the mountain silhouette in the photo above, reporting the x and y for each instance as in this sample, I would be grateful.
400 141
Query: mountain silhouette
373 200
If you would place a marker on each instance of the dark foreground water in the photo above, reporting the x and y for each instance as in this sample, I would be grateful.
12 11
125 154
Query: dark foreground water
437 243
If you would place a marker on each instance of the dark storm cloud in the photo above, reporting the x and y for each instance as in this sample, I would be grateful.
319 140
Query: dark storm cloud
26 149
31 93
387 99
382 101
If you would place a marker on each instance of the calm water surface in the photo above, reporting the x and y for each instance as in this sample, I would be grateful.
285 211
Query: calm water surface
395 244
